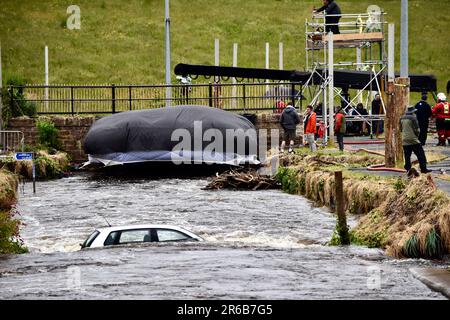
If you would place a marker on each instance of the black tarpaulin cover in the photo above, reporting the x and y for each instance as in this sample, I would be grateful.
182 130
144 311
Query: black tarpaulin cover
187 134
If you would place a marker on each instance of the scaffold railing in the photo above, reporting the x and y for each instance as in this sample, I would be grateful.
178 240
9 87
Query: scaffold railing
361 30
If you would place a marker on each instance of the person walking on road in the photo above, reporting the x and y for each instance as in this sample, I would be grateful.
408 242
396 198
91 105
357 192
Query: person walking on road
310 128
289 120
423 114
410 139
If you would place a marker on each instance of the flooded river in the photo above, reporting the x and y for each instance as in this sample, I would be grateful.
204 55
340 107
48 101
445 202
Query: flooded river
259 245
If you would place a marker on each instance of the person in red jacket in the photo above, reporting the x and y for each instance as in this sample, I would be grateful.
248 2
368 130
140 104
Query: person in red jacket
441 111
310 127
321 130
340 126
280 105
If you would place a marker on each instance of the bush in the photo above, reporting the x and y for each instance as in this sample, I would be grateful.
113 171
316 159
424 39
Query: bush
47 134
10 241
17 106
288 179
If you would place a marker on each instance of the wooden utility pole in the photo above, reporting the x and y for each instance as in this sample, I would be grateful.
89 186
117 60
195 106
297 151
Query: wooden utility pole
342 227
398 99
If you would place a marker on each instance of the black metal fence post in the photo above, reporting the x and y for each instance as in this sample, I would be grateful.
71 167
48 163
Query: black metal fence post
113 98
293 94
71 100
11 99
301 97
129 98
210 92
186 88
243 96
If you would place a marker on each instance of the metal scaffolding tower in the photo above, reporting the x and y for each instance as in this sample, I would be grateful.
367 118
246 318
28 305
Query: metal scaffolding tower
327 52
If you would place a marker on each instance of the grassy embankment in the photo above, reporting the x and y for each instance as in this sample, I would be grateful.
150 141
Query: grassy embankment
123 41
10 241
49 162
408 218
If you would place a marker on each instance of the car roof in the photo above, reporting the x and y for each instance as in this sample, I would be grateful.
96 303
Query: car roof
141 226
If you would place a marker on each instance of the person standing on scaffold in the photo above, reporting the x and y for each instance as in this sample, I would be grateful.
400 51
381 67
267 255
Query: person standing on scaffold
332 15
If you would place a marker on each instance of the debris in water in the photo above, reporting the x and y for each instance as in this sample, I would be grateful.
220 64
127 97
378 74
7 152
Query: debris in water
250 180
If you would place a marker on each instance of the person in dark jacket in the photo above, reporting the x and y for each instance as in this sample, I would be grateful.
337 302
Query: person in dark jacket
359 126
319 108
289 120
332 15
423 114
410 139
377 109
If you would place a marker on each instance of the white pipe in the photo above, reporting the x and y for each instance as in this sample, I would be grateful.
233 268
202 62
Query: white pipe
325 109
391 52
235 55
167 31
280 59
359 67
331 84
46 65
233 80
46 76
216 56
267 61
404 40
216 52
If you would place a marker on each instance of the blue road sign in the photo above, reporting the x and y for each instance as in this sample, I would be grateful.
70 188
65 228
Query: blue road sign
23 156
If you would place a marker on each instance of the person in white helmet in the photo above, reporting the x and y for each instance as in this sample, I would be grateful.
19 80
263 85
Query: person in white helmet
441 111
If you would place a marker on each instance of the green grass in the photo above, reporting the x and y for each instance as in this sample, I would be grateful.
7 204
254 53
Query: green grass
122 41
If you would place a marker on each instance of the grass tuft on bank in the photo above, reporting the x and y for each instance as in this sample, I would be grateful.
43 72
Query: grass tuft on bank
408 218
10 241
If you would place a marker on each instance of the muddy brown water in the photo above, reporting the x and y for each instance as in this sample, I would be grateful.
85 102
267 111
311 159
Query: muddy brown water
259 245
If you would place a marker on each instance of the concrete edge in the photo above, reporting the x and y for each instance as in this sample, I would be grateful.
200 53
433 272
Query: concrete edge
435 279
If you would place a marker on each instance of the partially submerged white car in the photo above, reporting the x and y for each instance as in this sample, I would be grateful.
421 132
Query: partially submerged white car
137 234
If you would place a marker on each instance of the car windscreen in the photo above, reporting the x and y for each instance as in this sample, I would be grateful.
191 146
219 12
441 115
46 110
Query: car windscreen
87 243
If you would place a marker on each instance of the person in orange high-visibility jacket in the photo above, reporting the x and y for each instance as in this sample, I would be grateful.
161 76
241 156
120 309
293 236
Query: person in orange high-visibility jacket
441 111
310 127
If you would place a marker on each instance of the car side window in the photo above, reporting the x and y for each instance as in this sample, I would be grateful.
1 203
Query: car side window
132 236
112 238
171 235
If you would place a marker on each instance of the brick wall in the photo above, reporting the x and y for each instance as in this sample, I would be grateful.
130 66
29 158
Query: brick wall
71 131
271 121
